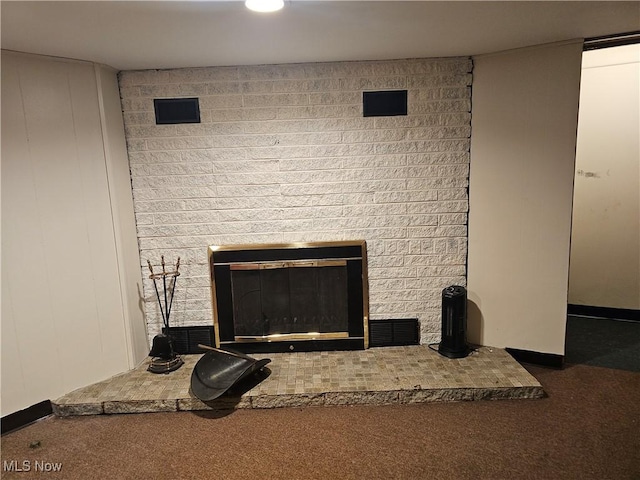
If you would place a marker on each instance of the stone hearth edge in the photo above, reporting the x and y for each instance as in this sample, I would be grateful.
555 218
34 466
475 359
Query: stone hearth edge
377 376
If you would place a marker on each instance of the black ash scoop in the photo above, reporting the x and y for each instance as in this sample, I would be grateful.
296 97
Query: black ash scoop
218 370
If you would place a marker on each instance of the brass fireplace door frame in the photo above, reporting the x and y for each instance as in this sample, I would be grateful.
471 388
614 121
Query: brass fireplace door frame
303 263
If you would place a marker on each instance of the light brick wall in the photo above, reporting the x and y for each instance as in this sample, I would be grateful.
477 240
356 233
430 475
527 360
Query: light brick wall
283 154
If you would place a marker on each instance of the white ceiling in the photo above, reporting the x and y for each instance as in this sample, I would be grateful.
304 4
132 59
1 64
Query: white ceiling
166 34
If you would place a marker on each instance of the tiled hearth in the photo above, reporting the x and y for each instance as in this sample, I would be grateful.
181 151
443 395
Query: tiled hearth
377 376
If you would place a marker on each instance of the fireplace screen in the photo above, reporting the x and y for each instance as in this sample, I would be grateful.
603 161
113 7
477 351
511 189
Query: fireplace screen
301 295
272 299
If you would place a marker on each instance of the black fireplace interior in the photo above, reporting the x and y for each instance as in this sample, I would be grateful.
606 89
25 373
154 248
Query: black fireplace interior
290 297
289 300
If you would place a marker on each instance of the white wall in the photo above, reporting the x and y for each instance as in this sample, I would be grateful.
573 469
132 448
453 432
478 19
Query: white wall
284 154
605 241
63 322
123 217
524 119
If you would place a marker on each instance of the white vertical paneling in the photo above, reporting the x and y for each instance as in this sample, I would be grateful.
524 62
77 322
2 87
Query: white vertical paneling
101 249
12 373
27 319
524 119
59 263
124 223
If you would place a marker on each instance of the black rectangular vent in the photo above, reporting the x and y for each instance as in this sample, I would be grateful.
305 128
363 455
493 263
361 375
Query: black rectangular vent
395 332
186 339
176 110
384 103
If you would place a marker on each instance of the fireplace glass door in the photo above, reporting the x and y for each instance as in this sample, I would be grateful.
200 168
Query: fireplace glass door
289 298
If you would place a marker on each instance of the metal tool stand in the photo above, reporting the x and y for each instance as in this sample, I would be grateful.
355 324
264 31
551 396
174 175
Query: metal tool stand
164 358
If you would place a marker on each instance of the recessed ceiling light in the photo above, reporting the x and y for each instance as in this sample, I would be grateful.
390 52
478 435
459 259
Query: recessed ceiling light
264 5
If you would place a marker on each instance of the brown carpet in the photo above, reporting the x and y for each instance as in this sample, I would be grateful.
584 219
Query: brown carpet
587 428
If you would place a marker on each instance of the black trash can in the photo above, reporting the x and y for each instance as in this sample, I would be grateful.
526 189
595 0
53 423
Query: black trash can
453 343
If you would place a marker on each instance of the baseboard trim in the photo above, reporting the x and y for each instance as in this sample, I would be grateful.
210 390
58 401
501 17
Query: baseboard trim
604 312
22 418
537 358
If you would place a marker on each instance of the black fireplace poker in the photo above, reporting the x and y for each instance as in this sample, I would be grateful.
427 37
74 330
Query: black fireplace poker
164 358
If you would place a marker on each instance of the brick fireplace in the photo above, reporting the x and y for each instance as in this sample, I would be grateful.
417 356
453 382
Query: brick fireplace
283 154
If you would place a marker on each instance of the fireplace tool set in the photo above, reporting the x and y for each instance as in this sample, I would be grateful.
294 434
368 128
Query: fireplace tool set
217 370
164 358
